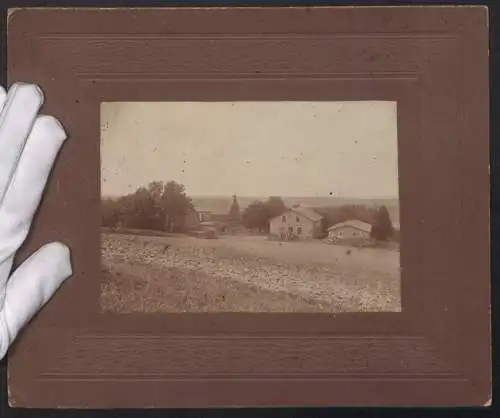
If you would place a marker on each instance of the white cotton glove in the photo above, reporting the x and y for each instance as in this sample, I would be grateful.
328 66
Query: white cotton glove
28 147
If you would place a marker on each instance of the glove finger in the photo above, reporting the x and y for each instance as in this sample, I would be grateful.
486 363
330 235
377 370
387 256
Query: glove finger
16 121
3 97
5 270
31 287
26 187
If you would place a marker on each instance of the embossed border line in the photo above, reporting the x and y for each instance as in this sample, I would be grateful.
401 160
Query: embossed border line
210 36
131 378
446 373
257 76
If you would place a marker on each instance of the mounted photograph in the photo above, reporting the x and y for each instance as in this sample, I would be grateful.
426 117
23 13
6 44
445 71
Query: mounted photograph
250 207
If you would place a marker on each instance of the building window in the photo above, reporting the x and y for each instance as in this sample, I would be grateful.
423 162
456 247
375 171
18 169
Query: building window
297 219
290 229
283 218
299 230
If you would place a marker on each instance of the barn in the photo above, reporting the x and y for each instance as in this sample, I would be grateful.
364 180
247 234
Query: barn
297 223
212 217
349 231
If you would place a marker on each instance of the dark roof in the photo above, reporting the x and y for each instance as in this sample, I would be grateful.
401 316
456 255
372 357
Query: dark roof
307 213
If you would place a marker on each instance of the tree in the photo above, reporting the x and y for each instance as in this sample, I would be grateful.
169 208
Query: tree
176 205
155 190
382 229
275 207
137 210
258 214
109 213
255 216
157 212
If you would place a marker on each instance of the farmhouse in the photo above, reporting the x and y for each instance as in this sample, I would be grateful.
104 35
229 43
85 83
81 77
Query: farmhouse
297 222
349 231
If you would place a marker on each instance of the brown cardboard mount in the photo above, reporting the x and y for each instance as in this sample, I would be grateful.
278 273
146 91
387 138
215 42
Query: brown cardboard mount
432 60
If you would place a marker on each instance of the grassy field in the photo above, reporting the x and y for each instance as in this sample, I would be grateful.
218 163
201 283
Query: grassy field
245 274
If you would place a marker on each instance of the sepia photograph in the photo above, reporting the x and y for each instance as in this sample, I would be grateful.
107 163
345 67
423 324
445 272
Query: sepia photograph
250 207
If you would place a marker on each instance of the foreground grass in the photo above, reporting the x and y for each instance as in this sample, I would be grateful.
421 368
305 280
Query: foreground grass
129 289
152 274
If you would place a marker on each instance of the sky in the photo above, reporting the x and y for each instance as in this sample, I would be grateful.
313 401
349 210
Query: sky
345 149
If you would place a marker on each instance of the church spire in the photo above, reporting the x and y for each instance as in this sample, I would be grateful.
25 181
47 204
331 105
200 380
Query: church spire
234 211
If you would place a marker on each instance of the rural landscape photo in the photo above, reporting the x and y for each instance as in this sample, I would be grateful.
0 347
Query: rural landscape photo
250 207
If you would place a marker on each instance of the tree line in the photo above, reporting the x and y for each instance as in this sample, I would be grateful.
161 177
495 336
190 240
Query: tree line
163 206
158 206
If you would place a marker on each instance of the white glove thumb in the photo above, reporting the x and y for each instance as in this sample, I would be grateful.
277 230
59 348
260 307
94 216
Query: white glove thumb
30 287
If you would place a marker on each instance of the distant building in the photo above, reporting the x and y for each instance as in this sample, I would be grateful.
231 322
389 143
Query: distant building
223 222
297 222
204 215
349 231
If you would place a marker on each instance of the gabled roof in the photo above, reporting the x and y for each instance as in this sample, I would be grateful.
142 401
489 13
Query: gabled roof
354 223
307 213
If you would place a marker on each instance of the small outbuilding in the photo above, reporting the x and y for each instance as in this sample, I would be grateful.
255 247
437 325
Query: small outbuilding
349 231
